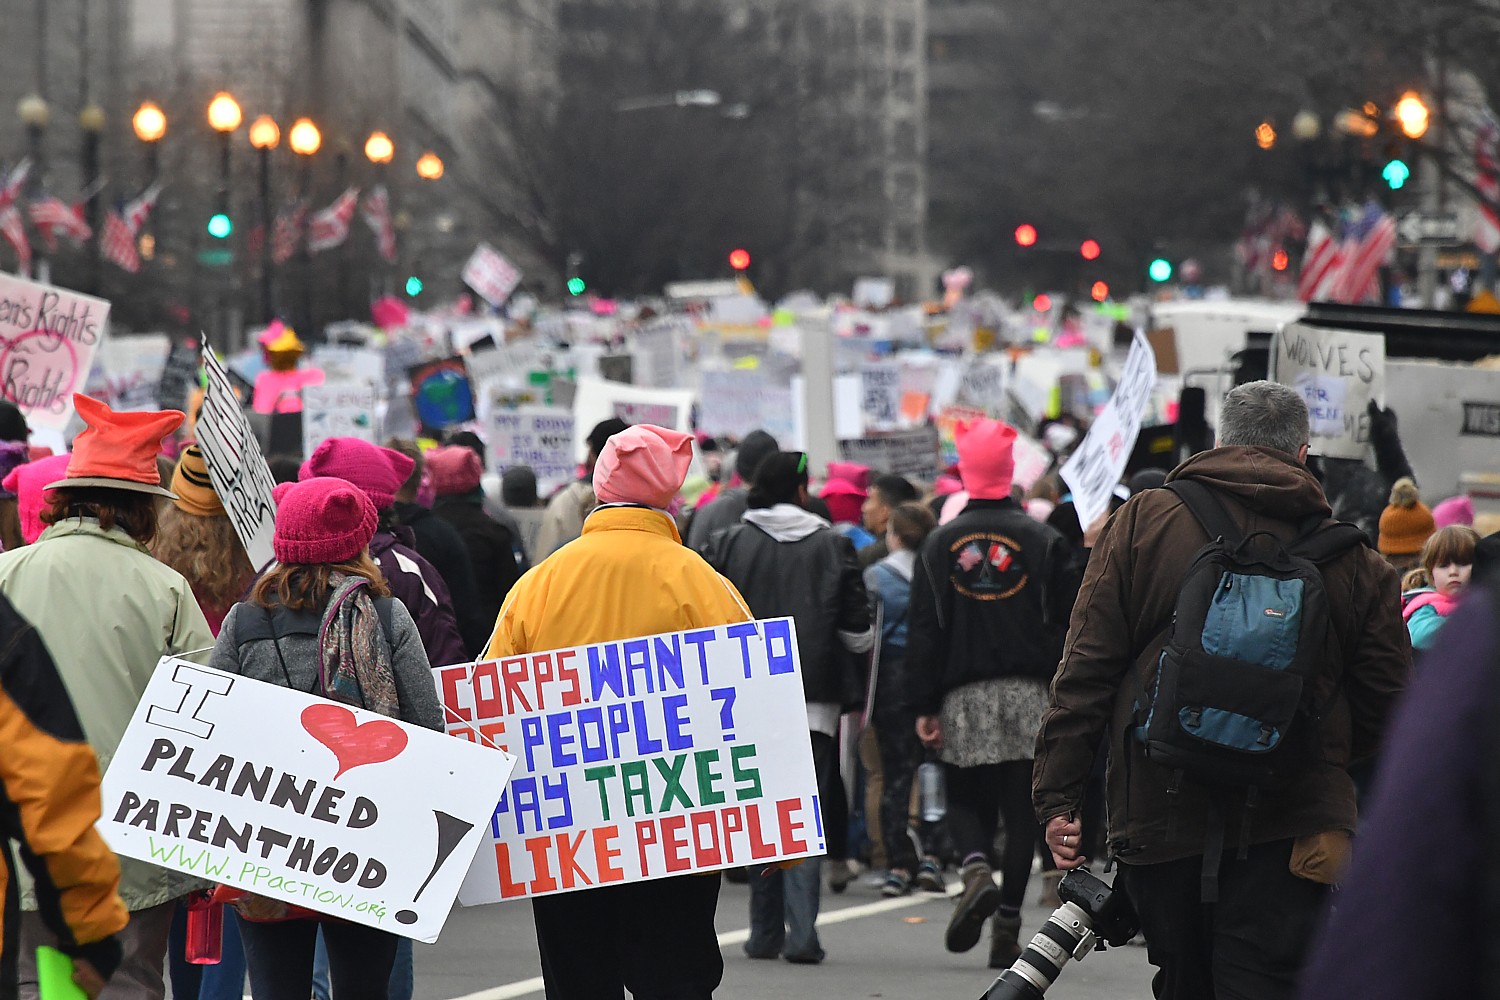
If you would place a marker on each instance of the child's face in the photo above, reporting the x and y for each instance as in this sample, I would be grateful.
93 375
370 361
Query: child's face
1451 577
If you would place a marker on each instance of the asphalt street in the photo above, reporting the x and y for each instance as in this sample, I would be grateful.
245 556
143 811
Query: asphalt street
876 948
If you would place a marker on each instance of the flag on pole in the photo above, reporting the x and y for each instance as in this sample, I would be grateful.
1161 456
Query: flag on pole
117 243
377 213
137 211
287 232
1321 264
1487 180
53 217
330 227
14 230
10 188
1370 239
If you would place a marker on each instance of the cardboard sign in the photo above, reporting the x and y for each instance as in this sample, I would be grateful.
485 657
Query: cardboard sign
537 436
491 275
738 402
48 337
657 352
1337 372
915 454
239 472
641 759
880 396
337 409
299 799
1093 470
131 369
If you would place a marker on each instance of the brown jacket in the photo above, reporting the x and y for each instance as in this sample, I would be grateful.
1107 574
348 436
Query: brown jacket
1120 623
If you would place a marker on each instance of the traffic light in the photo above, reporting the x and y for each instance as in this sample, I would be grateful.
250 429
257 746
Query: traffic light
1042 303
1412 115
1280 260
1026 235
1090 250
220 225
1100 291
576 286
739 259
1396 173
413 286
1160 270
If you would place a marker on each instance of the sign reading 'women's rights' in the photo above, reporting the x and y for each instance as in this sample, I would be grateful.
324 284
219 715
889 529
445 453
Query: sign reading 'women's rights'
640 759
48 337
299 799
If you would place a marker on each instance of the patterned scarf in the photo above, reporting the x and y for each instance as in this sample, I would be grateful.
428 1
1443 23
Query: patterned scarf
354 656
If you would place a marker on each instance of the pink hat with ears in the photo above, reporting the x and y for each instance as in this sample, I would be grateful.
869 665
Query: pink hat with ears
986 458
643 464
1454 510
850 472
28 482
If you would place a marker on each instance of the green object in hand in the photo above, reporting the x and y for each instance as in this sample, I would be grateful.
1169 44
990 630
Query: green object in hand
54 973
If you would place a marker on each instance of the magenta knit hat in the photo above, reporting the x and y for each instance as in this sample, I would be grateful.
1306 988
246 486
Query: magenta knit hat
1454 510
454 469
322 520
376 470
986 458
28 482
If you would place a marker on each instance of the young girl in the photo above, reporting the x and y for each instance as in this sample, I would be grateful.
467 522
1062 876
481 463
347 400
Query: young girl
1432 590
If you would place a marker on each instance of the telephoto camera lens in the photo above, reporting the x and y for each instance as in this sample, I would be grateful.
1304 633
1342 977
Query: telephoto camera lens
1066 934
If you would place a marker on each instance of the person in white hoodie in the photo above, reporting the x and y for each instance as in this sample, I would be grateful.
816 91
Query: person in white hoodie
786 561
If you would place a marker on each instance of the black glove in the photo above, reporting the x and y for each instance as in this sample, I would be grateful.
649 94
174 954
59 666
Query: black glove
1382 422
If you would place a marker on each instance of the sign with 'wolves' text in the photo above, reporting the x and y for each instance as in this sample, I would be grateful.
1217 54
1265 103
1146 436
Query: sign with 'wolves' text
239 472
299 799
1338 373
48 337
1093 471
640 759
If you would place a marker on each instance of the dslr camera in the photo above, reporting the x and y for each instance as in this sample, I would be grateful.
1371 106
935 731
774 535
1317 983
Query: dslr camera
1092 916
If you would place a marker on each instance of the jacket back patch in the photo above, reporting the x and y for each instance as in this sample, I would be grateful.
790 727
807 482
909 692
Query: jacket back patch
987 566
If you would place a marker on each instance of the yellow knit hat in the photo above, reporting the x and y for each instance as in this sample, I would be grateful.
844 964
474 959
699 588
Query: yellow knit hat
1407 523
194 489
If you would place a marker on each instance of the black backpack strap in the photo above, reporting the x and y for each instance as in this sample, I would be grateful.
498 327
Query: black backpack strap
383 609
1328 539
1208 509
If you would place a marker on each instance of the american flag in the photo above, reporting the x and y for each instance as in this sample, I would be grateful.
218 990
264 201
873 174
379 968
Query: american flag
1368 241
14 230
970 557
136 212
10 188
1487 180
287 232
377 213
1321 264
52 217
117 243
330 227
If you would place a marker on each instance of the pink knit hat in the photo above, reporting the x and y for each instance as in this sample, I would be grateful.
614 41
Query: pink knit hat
27 482
1454 510
845 500
643 464
850 472
986 459
322 520
376 470
454 469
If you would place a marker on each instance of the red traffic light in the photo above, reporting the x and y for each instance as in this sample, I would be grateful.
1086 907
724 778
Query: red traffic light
1042 303
739 259
1090 250
1279 260
1026 234
1100 291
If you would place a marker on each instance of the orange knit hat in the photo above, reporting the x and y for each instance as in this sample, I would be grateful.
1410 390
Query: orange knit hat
1407 523
118 450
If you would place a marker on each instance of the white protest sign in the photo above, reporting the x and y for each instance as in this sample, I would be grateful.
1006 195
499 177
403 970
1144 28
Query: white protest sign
1338 373
299 799
915 453
657 350
982 385
1094 469
491 275
48 337
874 293
239 472
641 759
880 395
735 403
537 436
337 409
598 399
131 368
1032 460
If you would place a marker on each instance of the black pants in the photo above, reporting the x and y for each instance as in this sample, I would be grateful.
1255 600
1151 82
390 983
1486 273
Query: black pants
831 795
1247 946
279 958
655 939
900 753
977 798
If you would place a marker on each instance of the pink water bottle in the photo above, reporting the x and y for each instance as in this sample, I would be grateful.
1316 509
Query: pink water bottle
205 930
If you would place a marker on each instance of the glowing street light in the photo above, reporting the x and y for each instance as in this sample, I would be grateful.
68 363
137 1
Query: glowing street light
265 134
224 113
304 137
379 148
430 166
1412 115
149 122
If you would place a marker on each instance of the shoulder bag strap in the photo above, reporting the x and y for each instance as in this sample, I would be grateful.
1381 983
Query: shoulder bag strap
276 645
1209 510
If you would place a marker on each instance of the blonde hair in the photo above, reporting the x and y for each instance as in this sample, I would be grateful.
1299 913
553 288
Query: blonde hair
206 551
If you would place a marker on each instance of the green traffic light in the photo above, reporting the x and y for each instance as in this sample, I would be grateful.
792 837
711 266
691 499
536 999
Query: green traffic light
1396 174
1160 270
220 226
576 286
414 286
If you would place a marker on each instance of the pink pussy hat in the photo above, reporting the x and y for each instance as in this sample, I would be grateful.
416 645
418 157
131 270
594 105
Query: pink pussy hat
1454 510
322 520
28 482
643 464
376 470
986 458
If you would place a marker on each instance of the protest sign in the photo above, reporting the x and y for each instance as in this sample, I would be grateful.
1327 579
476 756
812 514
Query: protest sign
915 453
299 799
1093 470
880 396
641 759
240 475
657 352
874 293
48 337
1032 460
337 409
597 399
131 369
735 403
1338 373
982 385
491 275
441 393
537 436
349 362
179 376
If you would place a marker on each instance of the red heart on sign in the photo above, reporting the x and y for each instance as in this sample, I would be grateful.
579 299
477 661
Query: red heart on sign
353 744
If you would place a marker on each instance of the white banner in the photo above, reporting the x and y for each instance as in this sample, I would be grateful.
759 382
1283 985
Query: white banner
537 436
880 391
599 399
48 337
490 274
641 759
239 472
1337 372
915 454
735 403
1094 469
299 799
337 409
131 369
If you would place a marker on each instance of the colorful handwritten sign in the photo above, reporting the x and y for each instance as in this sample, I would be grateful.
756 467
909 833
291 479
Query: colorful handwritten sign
299 799
641 759
48 337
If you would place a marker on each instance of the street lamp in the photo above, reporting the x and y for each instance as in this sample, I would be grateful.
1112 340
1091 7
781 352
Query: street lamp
224 116
379 149
91 122
304 137
224 112
430 166
305 140
1412 115
150 124
33 112
265 136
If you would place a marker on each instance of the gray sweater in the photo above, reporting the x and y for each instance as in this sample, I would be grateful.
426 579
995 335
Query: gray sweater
257 659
